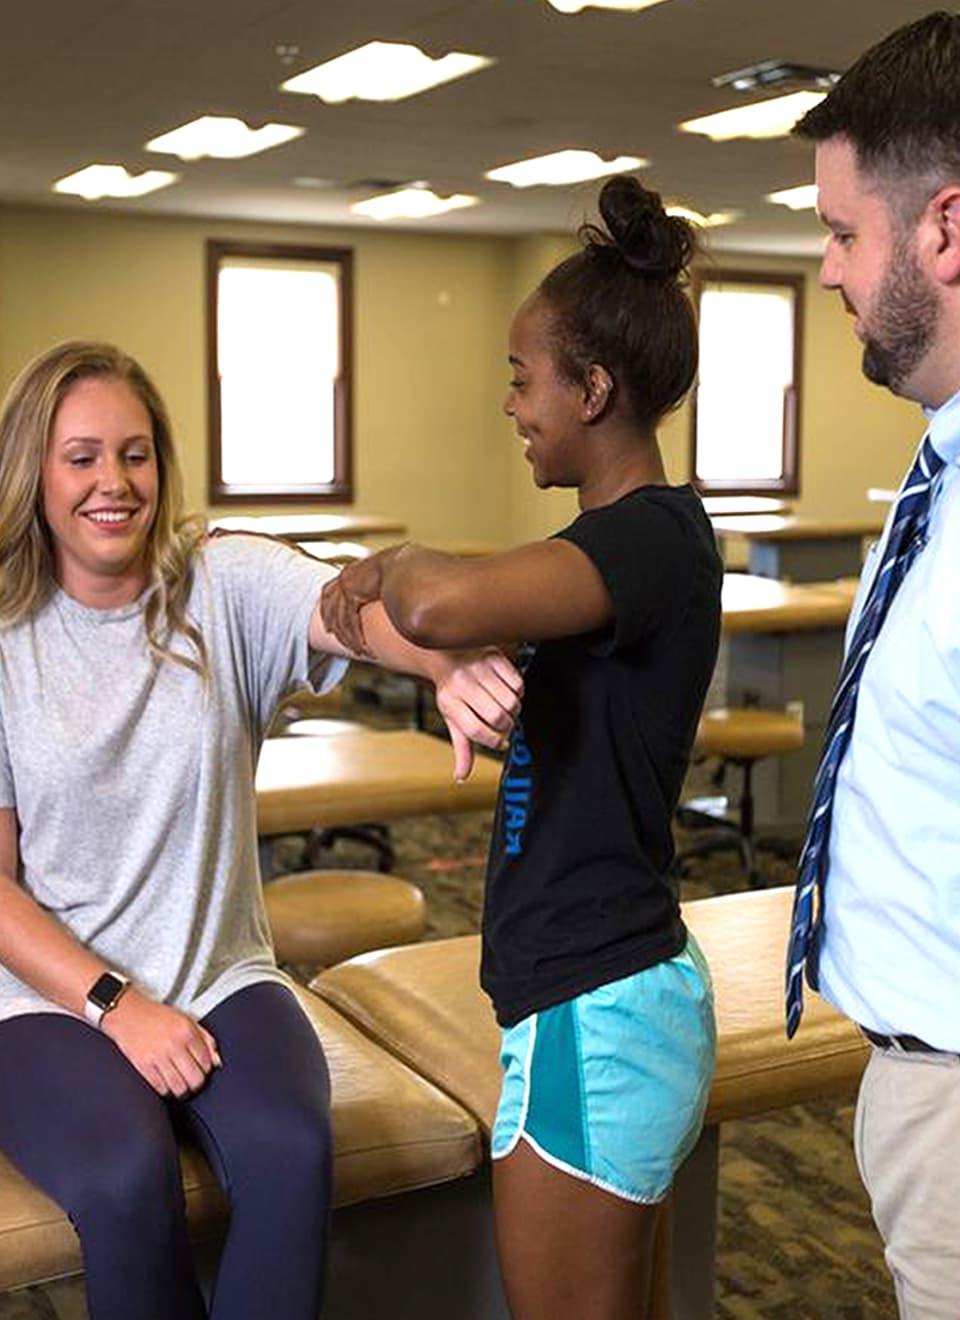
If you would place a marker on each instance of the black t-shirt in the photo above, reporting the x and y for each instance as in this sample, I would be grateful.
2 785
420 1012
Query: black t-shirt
579 890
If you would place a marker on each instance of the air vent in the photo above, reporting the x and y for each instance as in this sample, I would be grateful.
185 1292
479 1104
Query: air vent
777 74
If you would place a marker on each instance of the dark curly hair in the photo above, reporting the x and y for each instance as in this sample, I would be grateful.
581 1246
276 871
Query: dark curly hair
621 302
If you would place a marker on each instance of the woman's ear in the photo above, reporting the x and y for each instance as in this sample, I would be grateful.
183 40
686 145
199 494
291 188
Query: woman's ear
598 392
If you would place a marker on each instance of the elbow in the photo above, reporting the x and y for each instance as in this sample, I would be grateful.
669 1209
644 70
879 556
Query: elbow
423 618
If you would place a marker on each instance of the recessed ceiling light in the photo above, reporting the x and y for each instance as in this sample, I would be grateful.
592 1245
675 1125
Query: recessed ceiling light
97 181
574 6
702 221
411 204
562 167
798 199
223 137
382 71
761 119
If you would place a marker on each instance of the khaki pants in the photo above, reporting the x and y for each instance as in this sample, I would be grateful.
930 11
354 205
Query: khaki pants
907 1141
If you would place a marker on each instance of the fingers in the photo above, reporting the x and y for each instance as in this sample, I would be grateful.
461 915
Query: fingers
493 705
462 754
494 675
506 671
182 1075
340 613
460 717
212 1050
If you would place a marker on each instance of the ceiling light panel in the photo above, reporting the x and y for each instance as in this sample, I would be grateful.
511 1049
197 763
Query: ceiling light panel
96 181
629 6
411 204
383 71
761 119
561 167
803 198
711 221
222 137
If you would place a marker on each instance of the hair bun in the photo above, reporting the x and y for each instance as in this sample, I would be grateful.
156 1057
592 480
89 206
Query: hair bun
651 242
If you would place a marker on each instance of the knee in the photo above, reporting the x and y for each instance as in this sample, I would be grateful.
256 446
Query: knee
124 1181
290 1144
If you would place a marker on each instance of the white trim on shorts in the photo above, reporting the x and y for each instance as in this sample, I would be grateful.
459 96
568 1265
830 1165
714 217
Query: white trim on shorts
580 1175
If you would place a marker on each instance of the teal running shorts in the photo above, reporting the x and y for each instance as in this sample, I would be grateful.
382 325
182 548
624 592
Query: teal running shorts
612 1086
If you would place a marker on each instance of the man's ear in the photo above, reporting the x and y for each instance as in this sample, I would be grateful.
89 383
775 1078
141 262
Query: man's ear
944 212
598 392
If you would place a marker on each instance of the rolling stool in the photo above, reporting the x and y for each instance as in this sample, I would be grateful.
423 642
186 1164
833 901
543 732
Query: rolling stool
739 736
319 918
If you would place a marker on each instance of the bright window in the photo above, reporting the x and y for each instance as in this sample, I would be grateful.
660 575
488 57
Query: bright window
279 373
745 419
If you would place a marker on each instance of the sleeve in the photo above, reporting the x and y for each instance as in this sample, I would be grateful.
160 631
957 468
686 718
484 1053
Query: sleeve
270 590
645 554
8 797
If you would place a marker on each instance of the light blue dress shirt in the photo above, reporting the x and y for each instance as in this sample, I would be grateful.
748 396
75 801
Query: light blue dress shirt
890 948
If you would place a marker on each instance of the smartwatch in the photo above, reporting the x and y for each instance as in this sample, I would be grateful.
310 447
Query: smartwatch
103 995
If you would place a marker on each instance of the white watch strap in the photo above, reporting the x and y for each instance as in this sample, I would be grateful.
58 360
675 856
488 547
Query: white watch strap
93 1013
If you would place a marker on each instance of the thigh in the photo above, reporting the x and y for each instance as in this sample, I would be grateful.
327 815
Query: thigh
907 1125
64 1088
569 1249
270 1101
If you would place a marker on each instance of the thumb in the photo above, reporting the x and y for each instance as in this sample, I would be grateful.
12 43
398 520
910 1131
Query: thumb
462 754
212 1047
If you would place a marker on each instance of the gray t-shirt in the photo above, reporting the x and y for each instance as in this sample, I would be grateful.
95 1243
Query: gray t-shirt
133 781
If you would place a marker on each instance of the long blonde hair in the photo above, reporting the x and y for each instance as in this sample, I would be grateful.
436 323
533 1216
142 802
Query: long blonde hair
27 576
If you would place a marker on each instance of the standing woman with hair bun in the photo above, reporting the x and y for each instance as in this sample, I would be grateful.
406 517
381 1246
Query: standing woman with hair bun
603 997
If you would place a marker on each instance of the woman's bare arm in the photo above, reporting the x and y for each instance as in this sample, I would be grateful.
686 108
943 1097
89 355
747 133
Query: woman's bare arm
538 591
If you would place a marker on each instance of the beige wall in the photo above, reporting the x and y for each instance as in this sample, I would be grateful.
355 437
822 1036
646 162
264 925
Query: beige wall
431 317
852 434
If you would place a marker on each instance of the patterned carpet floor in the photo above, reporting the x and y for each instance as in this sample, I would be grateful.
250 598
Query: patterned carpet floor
795 1241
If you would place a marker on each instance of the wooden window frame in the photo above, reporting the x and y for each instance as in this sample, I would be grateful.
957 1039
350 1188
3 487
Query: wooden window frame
340 490
789 482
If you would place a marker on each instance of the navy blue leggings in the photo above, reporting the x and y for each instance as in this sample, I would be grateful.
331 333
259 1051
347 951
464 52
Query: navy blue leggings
80 1122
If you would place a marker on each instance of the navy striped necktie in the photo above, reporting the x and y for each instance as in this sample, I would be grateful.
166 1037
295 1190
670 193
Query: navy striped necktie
907 536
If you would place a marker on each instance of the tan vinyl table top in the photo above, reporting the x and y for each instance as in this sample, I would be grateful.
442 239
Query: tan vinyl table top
361 776
737 506
793 527
766 605
313 526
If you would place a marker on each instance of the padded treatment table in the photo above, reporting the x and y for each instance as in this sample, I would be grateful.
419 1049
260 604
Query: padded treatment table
424 1004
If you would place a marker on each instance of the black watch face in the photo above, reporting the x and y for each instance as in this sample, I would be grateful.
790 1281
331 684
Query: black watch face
105 990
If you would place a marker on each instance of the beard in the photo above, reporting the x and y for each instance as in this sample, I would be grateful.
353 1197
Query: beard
902 324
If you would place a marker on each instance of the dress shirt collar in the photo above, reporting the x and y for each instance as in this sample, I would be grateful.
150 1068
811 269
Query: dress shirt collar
944 429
